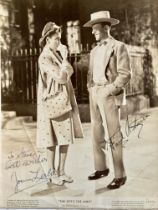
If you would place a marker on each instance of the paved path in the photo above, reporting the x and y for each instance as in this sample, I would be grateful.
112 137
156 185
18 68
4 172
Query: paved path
20 161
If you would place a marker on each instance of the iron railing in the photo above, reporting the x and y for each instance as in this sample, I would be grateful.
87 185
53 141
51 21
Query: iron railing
20 75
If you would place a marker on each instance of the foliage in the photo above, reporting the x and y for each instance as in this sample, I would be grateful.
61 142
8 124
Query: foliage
138 25
16 40
11 39
149 77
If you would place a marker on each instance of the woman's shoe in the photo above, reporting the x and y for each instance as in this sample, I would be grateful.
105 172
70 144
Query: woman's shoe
54 179
66 178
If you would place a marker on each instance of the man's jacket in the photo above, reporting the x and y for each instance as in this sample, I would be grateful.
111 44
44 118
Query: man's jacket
117 69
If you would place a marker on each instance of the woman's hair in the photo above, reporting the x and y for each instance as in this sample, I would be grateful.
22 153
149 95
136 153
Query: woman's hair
50 34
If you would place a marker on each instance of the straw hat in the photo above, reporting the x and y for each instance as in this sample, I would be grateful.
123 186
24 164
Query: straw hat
99 17
48 28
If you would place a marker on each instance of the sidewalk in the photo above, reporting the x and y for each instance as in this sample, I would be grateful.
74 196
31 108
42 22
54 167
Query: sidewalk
20 160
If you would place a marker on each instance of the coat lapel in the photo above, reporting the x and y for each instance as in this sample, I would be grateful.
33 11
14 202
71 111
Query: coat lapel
109 51
90 73
92 59
55 58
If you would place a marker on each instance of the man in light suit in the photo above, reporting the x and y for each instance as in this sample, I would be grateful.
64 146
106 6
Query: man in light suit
109 72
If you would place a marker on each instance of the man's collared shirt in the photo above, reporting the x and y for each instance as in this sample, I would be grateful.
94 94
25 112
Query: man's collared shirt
98 63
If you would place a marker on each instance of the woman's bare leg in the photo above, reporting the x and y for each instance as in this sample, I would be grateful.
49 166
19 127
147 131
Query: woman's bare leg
62 159
51 158
51 166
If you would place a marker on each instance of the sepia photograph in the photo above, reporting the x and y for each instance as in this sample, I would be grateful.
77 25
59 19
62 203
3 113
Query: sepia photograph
79 104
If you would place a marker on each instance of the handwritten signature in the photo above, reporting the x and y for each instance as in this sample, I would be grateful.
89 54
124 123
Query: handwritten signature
36 177
23 158
136 123
130 126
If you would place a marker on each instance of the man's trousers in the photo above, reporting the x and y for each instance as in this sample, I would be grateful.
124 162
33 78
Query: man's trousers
106 130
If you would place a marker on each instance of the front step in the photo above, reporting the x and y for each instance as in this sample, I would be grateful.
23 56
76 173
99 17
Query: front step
11 121
8 114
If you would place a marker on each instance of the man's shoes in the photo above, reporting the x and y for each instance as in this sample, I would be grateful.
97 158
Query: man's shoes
98 174
116 183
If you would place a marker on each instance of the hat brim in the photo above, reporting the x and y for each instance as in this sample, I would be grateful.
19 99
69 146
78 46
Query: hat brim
90 23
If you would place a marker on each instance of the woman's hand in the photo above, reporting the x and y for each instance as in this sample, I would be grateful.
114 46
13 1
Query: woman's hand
65 67
63 51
